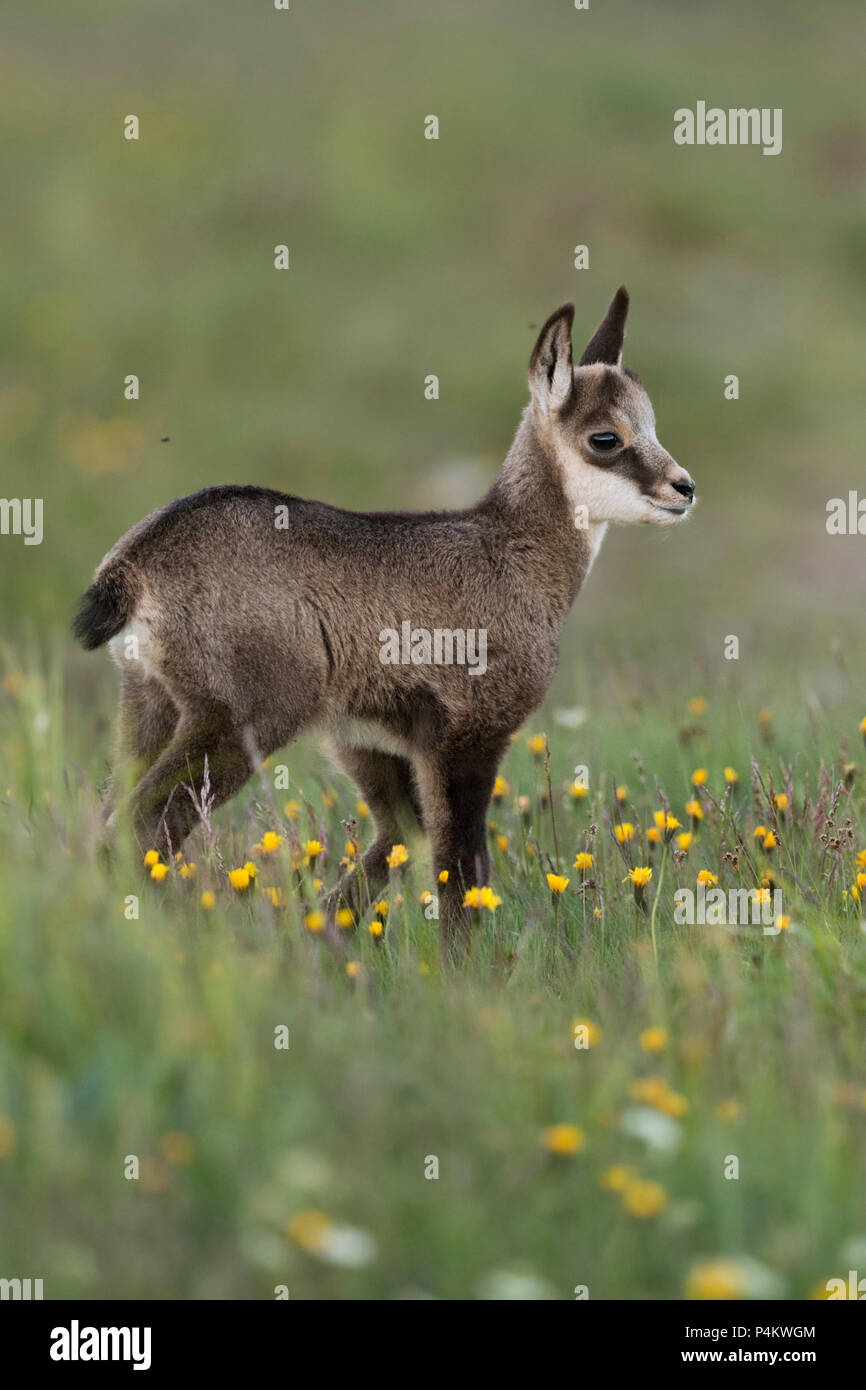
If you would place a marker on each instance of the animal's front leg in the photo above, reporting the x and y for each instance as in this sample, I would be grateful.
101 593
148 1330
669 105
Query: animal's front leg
455 795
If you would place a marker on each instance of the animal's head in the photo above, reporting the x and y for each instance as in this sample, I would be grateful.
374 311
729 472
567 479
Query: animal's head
598 421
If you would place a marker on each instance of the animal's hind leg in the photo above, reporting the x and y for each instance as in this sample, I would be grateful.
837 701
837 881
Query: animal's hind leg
147 718
388 787
146 721
162 809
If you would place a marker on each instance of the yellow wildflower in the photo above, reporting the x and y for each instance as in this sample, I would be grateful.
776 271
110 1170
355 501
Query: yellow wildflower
617 1178
563 1139
649 1090
644 1199
673 1104
640 876
310 1230
715 1280
585 1032
654 1040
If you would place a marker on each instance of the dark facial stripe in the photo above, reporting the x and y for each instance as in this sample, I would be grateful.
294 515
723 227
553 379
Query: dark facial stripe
629 464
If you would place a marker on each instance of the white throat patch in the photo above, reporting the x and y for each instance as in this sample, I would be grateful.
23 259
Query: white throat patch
598 495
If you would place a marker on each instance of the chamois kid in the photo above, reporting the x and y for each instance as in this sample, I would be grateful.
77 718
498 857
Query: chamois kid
258 615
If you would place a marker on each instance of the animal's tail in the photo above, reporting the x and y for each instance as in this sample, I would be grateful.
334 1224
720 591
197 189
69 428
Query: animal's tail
103 608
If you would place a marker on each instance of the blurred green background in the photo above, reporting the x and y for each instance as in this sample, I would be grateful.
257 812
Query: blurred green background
411 257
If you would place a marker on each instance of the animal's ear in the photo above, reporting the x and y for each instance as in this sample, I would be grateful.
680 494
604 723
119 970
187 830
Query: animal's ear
550 366
605 345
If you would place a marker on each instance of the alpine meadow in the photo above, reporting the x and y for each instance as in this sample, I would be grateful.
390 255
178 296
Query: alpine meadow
585 1020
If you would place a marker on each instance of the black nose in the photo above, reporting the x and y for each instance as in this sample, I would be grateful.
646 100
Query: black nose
687 489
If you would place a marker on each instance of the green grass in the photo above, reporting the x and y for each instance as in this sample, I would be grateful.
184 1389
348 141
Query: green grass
118 1032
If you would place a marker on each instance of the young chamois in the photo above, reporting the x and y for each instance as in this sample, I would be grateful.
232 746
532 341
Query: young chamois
256 615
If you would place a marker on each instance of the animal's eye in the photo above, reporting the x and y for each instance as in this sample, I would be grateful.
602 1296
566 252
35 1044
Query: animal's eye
605 441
